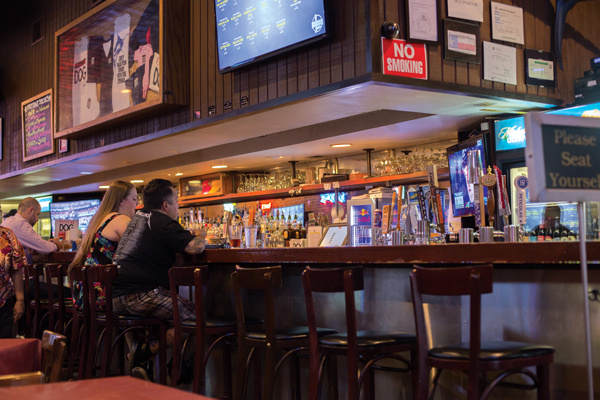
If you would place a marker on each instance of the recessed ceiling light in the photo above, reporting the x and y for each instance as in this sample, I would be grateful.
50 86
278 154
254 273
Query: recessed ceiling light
341 145
103 187
137 181
125 91
168 174
219 166
86 173
180 173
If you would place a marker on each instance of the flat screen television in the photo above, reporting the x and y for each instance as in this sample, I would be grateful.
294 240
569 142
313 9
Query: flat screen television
82 210
251 30
462 194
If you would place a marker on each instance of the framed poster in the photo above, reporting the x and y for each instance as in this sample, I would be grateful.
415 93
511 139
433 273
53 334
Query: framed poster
540 68
423 21
37 129
507 23
110 63
462 41
499 63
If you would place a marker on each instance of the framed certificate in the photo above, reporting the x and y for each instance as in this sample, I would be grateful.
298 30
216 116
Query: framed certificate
540 68
423 21
462 41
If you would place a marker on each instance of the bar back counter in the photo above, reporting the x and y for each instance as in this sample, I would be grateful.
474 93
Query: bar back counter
536 298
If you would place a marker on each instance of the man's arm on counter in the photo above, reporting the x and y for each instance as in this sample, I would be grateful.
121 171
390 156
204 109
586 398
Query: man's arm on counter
29 238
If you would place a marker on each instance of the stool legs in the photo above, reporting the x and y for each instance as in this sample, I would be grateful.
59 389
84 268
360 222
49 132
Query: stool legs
543 374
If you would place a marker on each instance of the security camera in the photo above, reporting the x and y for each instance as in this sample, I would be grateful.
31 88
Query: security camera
390 30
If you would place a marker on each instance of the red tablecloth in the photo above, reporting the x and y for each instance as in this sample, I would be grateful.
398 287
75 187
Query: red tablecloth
20 355
124 387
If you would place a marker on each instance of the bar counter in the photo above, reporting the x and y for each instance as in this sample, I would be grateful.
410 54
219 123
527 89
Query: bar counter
553 255
537 298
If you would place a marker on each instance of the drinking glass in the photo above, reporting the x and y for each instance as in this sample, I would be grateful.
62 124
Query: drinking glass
235 236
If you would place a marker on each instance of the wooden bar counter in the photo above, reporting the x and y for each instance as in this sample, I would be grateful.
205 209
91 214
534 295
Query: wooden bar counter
537 298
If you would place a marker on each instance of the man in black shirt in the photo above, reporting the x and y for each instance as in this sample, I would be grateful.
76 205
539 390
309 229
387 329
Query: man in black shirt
145 254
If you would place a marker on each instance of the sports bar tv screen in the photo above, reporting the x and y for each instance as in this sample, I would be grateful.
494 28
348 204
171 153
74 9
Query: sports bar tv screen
249 30
462 193
82 210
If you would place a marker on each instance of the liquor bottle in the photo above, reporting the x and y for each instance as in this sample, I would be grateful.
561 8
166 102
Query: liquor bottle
533 235
556 234
564 234
296 227
541 234
572 236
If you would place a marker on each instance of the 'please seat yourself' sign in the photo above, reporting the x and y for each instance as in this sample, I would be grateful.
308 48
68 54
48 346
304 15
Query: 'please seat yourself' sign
563 157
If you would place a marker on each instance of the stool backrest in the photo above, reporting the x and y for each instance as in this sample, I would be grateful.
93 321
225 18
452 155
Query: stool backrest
456 281
56 271
54 348
105 275
78 274
265 279
28 273
185 276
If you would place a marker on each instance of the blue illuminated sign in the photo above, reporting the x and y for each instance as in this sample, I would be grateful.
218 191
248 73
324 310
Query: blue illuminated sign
510 134
44 202
588 110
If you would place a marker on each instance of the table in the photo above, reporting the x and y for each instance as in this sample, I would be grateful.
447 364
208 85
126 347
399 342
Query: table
20 355
124 387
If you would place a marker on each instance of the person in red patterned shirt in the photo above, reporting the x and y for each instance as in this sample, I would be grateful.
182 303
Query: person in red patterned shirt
12 299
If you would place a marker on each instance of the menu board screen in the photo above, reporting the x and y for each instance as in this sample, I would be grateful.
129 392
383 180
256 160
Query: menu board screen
250 29
81 210
36 116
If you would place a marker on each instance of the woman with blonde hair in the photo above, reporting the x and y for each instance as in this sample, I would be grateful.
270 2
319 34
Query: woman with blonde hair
104 233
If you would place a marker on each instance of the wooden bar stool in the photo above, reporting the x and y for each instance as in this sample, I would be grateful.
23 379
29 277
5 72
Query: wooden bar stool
291 339
223 327
105 275
475 356
79 326
62 306
40 306
369 346
28 272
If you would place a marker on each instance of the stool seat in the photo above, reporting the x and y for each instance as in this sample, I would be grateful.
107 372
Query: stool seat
68 302
369 339
220 322
492 351
122 317
291 333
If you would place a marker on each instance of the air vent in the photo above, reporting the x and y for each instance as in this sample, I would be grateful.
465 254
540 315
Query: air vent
37 31
315 156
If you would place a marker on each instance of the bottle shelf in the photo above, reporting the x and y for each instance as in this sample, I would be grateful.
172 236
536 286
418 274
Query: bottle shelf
307 190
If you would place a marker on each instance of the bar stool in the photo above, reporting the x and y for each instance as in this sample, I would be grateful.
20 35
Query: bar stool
105 275
79 326
41 307
290 339
369 346
475 356
63 306
223 327
28 272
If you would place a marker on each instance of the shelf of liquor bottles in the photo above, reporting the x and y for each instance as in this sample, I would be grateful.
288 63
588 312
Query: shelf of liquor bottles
306 190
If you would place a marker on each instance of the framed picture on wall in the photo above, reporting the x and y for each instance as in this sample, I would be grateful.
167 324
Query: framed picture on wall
423 21
110 64
540 68
37 126
462 41
1 141
63 145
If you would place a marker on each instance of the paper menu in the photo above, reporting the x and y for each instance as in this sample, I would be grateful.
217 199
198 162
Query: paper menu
499 63
507 23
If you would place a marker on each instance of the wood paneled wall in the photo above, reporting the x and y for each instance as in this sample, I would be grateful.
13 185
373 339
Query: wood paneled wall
27 70
581 43
351 50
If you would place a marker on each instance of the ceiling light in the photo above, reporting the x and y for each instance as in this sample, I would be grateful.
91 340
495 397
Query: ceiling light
125 91
180 173
86 173
103 187
137 181
341 145
219 166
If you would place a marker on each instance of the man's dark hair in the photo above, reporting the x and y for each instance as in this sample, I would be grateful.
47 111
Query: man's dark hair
156 192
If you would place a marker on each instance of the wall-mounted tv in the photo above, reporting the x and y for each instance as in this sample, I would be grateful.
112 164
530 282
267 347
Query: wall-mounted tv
251 30
510 133
462 192
82 210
